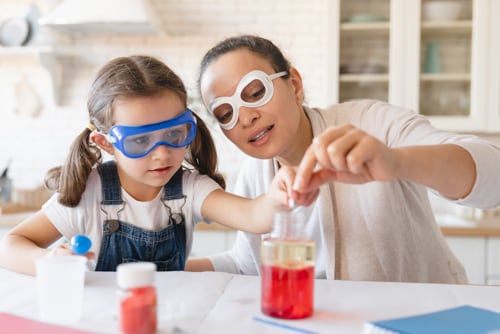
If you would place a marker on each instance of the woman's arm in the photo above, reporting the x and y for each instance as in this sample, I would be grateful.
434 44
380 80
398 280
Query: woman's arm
448 169
26 242
348 154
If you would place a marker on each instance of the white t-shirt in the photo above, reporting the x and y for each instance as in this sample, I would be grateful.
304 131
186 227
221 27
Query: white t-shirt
87 218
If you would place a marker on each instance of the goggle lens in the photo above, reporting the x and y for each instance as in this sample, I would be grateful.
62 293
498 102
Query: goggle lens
175 136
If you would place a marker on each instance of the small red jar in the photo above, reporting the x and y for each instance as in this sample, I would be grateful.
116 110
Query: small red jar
137 298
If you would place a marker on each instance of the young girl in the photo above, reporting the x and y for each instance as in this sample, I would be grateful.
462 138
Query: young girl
143 205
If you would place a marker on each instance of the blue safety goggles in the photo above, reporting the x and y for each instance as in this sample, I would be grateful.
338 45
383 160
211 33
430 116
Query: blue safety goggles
138 141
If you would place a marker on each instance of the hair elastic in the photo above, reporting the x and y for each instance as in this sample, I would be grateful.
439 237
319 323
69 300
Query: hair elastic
91 127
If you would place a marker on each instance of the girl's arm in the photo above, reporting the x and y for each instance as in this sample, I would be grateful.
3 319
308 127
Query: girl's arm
255 215
199 264
26 242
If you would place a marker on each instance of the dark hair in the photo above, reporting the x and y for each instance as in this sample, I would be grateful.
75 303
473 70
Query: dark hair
258 45
125 77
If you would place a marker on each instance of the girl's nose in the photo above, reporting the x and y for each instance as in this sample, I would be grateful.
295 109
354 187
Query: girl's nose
161 152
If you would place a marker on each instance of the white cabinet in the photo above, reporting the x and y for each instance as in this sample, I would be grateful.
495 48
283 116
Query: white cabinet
448 70
480 256
493 261
493 85
212 241
471 252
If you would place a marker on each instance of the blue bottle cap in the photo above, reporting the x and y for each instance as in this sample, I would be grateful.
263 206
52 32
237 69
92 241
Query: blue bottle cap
80 244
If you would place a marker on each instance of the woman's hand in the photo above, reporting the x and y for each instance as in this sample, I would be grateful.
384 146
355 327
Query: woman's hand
281 189
345 154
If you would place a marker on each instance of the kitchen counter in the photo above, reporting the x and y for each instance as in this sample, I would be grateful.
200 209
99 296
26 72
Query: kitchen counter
450 225
11 219
455 226
479 230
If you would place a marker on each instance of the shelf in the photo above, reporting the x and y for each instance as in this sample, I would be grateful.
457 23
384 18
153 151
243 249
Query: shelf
445 77
366 28
382 78
451 25
447 27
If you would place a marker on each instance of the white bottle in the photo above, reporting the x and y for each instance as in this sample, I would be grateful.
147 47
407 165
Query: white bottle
137 298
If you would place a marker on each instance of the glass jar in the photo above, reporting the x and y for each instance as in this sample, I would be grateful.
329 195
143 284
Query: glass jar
137 298
287 269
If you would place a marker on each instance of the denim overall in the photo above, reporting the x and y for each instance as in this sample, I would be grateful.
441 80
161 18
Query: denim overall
123 242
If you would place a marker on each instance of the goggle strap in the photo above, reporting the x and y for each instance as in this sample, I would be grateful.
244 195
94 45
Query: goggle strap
277 75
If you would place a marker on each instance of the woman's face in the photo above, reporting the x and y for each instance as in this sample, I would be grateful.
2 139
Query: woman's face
143 177
266 131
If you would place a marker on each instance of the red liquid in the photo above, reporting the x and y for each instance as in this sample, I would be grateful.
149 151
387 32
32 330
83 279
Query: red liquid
286 292
138 311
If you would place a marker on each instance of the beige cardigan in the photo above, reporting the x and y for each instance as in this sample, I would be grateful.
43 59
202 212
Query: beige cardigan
378 231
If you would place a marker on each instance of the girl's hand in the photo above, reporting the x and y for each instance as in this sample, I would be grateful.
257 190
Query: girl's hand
345 154
65 249
281 189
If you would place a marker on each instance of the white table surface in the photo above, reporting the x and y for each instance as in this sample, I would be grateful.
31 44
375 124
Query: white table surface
225 303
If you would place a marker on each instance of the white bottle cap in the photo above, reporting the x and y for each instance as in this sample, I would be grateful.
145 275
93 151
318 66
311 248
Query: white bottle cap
135 274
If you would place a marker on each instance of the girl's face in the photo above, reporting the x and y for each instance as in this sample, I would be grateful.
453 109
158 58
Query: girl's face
266 131
144 177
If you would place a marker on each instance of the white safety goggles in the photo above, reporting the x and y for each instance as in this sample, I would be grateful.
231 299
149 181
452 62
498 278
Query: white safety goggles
254 90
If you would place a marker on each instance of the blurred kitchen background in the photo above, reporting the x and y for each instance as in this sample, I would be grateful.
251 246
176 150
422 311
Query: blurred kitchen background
439 58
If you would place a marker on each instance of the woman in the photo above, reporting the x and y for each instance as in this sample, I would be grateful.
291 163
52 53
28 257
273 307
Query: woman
373 219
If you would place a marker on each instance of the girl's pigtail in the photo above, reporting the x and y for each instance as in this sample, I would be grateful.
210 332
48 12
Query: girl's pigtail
203 155
71 178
